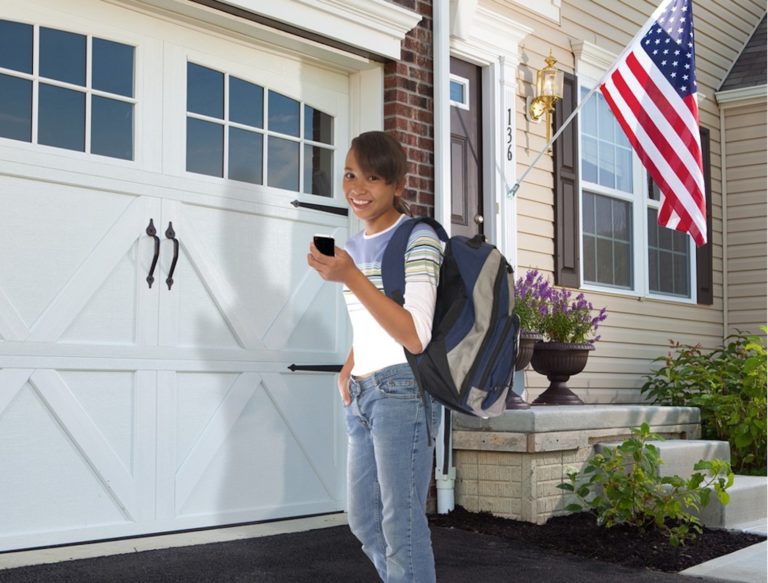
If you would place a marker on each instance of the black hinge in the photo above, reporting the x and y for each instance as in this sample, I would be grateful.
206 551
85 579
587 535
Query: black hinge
315 367
336 210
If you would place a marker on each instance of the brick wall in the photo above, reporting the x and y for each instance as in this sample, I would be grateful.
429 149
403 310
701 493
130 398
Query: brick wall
409 106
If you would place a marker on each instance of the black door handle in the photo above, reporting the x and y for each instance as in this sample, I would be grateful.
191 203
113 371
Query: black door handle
315 367
171 234
334 210
152 232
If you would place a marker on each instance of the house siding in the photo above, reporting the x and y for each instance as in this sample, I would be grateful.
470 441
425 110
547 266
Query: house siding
638 329
745 155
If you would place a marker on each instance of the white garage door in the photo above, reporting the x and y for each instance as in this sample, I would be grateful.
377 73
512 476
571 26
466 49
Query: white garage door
127 408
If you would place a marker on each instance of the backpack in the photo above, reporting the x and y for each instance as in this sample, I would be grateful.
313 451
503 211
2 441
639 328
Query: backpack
469 363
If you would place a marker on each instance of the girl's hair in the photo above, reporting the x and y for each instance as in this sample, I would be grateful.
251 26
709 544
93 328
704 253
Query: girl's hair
381 154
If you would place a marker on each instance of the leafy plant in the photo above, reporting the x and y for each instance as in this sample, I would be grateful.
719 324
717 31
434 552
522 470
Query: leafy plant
623 486
728 385
554 311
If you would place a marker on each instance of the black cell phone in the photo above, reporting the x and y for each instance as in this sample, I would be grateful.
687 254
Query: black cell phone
325 244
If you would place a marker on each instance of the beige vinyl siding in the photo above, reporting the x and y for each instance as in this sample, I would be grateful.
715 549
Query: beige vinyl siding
745 151
638 330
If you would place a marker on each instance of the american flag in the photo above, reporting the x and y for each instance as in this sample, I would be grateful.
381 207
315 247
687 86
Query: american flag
652 92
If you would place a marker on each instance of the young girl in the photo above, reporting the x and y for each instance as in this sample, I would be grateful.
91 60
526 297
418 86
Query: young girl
389 448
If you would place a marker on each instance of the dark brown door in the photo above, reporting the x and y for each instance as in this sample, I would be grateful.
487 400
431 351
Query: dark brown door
466 149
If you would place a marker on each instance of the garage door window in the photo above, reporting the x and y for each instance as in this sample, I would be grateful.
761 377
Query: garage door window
250 133
66 90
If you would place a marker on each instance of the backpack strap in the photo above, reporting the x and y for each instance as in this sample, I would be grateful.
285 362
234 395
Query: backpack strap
393 263
393 279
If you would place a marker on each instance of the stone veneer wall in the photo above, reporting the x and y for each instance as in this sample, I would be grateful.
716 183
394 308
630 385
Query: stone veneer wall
514 474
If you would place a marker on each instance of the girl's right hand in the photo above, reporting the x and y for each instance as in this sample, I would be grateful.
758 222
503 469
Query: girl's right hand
346 396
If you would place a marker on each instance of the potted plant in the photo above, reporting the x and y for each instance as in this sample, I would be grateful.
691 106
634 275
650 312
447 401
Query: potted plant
569 325
530 293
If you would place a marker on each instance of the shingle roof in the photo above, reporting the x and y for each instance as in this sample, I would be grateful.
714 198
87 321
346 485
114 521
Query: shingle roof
750 67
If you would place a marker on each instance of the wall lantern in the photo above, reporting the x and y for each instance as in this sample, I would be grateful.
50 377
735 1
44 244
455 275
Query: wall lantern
549 88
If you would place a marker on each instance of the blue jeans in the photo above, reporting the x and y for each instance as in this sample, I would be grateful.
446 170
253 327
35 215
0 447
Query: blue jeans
388 471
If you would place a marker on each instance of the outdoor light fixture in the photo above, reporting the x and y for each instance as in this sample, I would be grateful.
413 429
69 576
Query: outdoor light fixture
549 88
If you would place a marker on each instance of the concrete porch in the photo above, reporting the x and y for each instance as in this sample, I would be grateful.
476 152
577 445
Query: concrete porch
511 465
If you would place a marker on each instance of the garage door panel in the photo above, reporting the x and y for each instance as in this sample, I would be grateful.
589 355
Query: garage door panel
110 317
47 232
268 445
49 481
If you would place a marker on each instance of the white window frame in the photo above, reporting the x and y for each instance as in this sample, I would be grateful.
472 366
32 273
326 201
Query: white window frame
591 63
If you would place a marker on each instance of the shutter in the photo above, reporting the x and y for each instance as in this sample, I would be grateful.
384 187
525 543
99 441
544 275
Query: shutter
566 165
704 253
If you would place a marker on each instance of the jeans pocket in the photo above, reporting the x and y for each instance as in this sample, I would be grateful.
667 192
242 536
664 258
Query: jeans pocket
400 388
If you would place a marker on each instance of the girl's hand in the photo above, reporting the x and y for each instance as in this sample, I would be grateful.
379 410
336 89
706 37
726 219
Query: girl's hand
346 397
338 267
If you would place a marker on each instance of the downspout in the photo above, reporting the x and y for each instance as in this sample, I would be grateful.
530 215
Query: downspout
445 473
723 193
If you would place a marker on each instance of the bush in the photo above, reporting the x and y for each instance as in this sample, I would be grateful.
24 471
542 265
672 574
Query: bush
728 385
623 486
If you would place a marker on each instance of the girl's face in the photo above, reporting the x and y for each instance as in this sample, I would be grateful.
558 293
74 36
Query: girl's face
369 196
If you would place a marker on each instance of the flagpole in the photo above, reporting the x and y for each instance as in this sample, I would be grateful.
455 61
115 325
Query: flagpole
656 13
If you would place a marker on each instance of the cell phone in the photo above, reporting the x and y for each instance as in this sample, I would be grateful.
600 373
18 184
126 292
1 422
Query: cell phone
325 244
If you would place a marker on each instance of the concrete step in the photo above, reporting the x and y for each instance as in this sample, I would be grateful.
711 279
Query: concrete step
680 455
747 504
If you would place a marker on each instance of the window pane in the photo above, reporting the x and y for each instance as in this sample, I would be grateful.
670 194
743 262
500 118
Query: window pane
283 164
205 147
245 156
668 256
246 103
62 56
15 108
318 171
590 258
607 165
605 121
318 126
589 159
603 217
61 118
588 213
457 92
112 128
622 264
624 169
283 114
682 275
16 46
621 227
205 91
605 261
112 67
589 116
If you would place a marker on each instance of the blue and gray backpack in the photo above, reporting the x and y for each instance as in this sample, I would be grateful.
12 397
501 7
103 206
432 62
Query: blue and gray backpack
469 364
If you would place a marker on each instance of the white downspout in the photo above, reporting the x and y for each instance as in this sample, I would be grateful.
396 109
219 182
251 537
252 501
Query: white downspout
445 473
724 211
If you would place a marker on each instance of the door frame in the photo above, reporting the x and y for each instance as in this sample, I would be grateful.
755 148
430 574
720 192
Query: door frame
490 40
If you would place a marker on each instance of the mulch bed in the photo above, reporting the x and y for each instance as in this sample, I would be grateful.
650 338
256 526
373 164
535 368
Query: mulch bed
579 534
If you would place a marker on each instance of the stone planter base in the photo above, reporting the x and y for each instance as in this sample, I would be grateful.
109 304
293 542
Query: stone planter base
511 465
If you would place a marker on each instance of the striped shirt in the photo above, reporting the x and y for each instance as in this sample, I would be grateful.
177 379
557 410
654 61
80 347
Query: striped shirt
374 348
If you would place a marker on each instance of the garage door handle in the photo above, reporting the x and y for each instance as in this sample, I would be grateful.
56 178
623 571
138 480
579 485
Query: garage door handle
335 210
152 232
315 367
171 234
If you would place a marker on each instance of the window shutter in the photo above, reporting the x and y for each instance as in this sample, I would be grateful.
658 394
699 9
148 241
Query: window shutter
704 253
566 165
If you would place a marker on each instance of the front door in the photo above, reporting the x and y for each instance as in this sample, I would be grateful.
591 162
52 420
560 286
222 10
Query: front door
466 149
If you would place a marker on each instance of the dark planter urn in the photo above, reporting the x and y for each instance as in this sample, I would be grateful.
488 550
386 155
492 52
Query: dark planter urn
524 354
525 350
559 361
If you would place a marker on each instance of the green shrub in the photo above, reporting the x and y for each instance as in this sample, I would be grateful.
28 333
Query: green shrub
623 486
728 385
